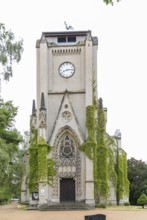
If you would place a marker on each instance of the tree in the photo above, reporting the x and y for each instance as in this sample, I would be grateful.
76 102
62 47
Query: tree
10 51
137 174
142 200
7 129
109 1
10 155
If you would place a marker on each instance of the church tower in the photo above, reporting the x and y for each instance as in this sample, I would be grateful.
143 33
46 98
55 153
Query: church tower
67 118
66 69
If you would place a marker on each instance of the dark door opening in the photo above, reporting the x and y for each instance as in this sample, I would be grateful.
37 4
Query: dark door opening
67 190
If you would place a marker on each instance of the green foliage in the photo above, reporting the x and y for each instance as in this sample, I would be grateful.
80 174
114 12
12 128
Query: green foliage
46 170
42 160
51 170
112 176
11 168
102 157
99 147
142 200
7 115
33 162
90 121
89 146
95 148
109 1
33 174
126 203
10 51
137 175
5 195
120 177
16 170
125 175
101 205
41 167
102 171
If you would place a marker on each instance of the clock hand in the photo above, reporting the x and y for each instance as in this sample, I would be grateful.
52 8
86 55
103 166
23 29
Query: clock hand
67 70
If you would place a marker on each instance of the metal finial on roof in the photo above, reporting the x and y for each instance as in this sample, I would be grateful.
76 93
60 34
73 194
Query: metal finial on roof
68 27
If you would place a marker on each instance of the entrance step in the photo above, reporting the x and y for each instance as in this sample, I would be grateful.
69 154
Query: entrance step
65 206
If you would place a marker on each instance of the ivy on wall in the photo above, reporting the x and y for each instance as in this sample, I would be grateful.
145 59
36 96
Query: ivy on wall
33 163
112 176
41 167
123 182
95 148
90 144
99 147
42 160
46 170
102 155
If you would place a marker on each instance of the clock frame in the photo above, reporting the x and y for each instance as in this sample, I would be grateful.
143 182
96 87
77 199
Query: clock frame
66 69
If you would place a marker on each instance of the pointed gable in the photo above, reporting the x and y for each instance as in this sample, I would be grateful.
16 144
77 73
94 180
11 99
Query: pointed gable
66 119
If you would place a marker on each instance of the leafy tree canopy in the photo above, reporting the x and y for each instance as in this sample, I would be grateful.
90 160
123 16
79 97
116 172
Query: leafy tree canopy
10 155
7 115
137 174
110 1
10 51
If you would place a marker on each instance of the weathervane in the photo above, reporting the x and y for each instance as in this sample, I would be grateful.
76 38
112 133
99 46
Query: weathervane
68 27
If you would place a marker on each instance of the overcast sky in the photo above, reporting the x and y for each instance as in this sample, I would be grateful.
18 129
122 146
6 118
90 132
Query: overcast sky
122 59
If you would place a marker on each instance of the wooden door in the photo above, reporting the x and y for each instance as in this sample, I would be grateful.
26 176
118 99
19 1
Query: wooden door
67 190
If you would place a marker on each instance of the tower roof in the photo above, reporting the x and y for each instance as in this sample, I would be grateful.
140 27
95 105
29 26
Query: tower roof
42 104
33 108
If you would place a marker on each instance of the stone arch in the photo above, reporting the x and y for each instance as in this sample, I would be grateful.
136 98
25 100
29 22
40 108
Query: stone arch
67 159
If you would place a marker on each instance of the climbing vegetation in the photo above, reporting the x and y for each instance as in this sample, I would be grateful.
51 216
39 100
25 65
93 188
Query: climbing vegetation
100 148
41 167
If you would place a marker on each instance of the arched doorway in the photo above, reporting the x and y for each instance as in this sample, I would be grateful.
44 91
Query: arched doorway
67 183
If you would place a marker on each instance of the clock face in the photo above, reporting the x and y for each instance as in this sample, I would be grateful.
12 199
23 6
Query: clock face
66 69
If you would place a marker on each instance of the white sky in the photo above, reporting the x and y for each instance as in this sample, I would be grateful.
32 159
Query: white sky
122 55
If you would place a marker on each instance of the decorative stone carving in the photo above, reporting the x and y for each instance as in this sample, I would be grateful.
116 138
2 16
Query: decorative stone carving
64 52
33 123
42 118
66 116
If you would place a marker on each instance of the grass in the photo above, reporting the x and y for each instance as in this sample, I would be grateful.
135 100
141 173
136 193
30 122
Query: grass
126 208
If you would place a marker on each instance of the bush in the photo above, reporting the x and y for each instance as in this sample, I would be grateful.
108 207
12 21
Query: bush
142 200
100 205
126 203
5 196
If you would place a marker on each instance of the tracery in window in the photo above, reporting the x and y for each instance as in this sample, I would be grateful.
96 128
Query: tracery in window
67 149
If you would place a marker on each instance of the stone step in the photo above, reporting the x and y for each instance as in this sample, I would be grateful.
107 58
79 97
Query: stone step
65 206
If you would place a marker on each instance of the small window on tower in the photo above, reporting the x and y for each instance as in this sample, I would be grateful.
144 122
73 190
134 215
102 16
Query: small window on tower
61 39
71 39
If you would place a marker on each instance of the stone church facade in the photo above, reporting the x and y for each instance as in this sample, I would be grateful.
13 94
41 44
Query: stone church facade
66 69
